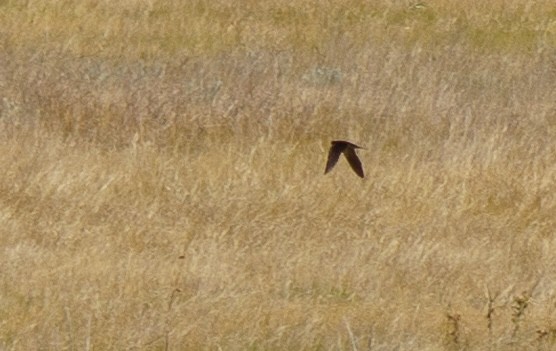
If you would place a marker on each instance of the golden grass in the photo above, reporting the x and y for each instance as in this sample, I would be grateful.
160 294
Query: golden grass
162 186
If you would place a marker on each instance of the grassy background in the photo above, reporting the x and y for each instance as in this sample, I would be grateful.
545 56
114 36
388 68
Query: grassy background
162 187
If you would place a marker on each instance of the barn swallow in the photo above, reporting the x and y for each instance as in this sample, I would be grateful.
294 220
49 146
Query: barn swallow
348 149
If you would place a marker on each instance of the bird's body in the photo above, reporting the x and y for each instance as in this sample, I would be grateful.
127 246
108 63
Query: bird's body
348 149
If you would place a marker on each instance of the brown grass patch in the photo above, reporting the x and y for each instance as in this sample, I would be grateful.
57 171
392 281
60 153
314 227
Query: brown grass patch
162 185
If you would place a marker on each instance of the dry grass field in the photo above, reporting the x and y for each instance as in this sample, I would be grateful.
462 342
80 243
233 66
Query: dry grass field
162 186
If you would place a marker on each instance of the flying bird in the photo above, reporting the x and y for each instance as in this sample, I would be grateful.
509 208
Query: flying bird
348 149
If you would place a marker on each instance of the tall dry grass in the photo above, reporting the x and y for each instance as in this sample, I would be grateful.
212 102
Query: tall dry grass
162 187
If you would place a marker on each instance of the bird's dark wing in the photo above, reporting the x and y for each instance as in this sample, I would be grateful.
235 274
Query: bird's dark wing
354 161
333 156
